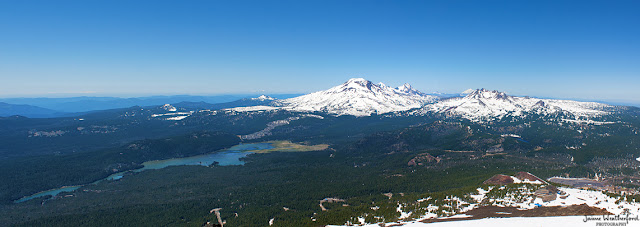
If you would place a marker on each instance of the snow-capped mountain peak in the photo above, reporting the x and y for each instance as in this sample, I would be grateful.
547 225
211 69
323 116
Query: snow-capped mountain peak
482 104
359 80
466 92
408 89
486 94
359 97
405 87
169 107
357 84
263 98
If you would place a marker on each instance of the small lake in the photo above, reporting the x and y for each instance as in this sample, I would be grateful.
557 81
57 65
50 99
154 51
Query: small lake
226 157
52 192
231 156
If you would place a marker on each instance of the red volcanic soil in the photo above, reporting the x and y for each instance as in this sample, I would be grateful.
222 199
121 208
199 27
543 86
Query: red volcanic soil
499 179
528 176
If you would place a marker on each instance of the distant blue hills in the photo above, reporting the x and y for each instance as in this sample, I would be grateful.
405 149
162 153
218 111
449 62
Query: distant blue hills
7 109
61 107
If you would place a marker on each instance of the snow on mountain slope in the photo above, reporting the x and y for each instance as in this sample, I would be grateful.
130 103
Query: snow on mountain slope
169 107
407 89
482 105
359 97
263 98
466 92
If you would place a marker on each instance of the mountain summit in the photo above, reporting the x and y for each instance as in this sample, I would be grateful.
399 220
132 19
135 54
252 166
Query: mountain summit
486 94
482 104
466 92
359 97
263 98
408 89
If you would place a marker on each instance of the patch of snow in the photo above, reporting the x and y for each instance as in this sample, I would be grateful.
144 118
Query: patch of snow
172 114
177 118
514 221
403 215
176 115
428 198
481 194
253 108
588 122
594 199
458 216
525 181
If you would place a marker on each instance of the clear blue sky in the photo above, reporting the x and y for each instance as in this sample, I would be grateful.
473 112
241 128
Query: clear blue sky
566 49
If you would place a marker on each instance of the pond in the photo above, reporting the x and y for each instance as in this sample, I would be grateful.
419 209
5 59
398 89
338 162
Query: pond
52 192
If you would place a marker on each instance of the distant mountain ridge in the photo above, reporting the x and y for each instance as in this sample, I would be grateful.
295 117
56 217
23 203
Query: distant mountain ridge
261 100
360 97
86 104
356 97
7 110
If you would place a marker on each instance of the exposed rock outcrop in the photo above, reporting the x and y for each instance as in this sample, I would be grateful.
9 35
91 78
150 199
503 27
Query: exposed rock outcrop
421 159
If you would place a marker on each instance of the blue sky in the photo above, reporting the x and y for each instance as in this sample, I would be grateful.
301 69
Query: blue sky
567 49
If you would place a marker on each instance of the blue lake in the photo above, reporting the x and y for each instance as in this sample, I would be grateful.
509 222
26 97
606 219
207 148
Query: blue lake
231 156
226 157
52 192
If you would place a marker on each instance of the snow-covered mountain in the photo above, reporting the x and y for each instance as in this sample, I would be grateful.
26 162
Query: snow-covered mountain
407 89
263 98
466 92
482 105
168 107
359 97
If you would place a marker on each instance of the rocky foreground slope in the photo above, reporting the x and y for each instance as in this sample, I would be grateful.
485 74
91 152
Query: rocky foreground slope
522 195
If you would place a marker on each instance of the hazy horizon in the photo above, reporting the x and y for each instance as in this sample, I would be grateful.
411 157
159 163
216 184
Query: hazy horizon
628 102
